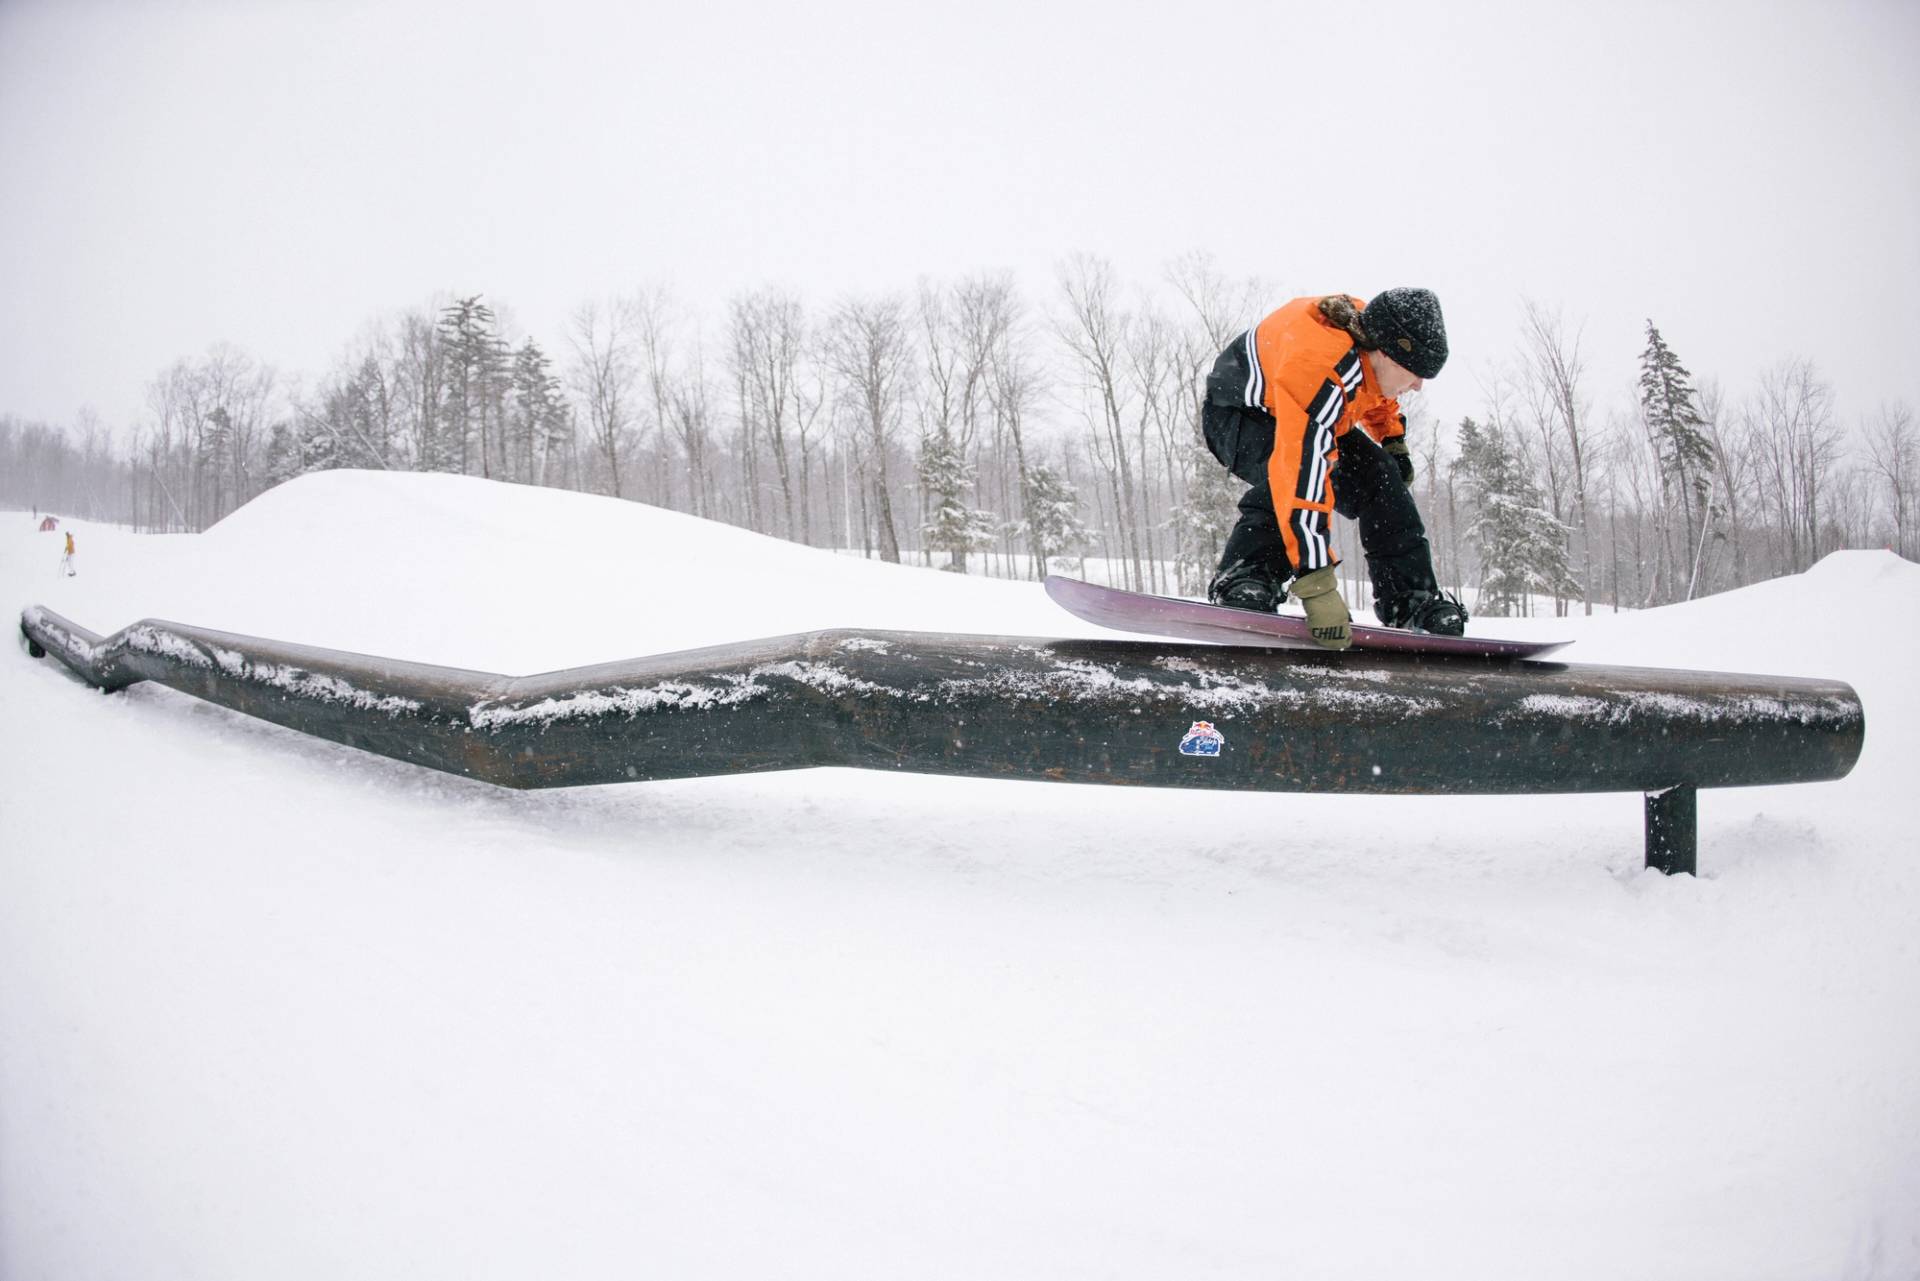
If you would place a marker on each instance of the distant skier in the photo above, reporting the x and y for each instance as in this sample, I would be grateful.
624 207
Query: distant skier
66 561
1302 407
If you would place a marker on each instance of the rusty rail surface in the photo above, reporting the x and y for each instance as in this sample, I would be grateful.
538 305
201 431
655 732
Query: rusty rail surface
1118 712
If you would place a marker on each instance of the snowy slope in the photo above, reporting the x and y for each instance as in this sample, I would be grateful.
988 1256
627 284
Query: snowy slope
270 1007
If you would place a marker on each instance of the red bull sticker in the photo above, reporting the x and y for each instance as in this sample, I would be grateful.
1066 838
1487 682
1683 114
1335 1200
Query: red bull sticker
1202 740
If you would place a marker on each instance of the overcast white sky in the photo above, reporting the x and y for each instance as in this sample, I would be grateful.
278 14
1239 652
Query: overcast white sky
275 174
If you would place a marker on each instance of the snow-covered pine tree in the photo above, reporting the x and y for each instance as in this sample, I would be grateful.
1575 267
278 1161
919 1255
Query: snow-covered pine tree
1522 547
318 447
1676 430
283 455
474 356
214 454
359 418
375 409
537 422
1202 519
1052 526
946 477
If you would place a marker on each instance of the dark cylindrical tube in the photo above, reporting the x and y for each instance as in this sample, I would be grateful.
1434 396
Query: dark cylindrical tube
1122 712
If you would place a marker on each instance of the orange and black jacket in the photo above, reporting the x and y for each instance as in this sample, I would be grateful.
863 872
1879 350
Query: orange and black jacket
1308 374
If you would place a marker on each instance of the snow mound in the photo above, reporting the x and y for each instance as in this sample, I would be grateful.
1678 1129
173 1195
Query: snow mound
1869 576
361 513
507 578
1829 621
481 574
1869 586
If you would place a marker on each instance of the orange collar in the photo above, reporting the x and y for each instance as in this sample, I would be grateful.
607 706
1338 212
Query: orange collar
1367 380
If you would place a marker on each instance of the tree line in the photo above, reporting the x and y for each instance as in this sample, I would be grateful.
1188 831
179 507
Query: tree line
962 424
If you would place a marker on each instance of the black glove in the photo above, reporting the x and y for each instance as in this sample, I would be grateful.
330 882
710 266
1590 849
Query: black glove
1397 446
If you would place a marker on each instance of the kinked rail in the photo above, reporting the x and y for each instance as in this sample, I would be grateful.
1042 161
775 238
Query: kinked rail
1075 711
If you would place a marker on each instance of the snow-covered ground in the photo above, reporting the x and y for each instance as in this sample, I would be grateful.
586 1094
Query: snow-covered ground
273 1008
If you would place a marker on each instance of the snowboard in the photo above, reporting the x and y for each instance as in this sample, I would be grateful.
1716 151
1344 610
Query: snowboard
1191 620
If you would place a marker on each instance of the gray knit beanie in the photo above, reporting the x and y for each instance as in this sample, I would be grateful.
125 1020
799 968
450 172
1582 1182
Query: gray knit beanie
1407 326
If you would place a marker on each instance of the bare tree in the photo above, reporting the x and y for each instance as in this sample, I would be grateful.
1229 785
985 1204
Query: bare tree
942 362
986 310
420 378
43 469
1557 368
180 405
1201 493
1094 331
1222 307
768 334
655 313
1159 365
1893 457
1796 439
869 349
1735 462
961 329
240 390
209 426
603 374
1013 388
691 420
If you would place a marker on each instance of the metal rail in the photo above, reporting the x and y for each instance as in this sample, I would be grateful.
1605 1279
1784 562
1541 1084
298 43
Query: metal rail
1117 712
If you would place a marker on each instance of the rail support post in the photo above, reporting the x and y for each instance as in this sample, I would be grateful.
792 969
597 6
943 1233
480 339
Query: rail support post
1673 830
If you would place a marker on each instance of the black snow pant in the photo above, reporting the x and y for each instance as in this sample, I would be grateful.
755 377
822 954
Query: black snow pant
1367 489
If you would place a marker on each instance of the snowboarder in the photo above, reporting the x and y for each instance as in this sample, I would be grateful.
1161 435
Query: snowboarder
1303 408
66 561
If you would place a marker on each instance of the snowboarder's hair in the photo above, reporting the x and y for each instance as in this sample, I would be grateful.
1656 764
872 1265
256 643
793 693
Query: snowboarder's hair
1342 314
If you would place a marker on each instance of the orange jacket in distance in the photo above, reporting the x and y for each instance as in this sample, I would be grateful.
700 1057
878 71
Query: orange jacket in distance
1308 374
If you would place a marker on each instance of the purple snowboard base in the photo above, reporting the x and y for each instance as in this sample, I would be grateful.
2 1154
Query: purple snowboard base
1192 620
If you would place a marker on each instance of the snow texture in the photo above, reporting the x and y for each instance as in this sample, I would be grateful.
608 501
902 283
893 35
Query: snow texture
618 701
1622 709
271 1007
71 642
298 681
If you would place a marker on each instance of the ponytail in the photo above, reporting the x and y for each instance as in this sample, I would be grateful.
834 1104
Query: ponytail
1338 310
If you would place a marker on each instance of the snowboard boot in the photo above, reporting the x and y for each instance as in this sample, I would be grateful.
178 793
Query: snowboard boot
1435 613
1246 585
